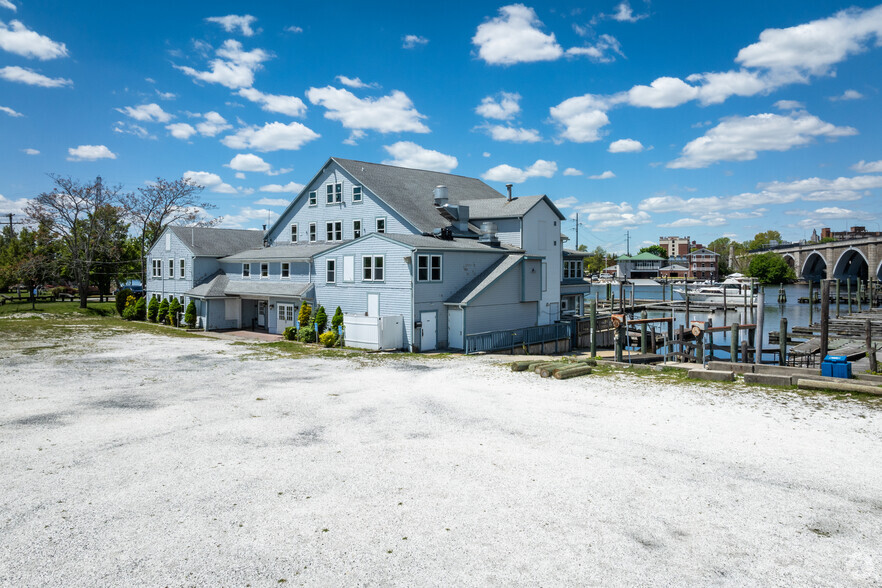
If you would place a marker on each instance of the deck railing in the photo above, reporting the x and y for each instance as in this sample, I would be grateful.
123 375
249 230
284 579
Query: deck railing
506 340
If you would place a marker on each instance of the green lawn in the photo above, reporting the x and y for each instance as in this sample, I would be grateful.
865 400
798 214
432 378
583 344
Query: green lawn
59 308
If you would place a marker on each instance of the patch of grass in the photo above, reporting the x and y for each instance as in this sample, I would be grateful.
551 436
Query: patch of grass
59 308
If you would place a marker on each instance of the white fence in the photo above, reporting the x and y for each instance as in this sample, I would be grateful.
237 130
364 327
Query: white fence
374 332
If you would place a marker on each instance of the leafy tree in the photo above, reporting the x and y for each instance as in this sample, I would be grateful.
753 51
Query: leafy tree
152 310
303 314
28 258
141 309
174 308
110 253
337 320
321 319
762 239
190 314
596 262
163 311
122 296
655 250
770 268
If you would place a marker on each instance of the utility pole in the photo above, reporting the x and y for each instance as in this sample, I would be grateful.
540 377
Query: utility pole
9 214
628 243
577 231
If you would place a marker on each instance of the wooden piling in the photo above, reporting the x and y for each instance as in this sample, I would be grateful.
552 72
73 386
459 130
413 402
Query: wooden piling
745 353
837 300
593 319
710 337
812 301
871 349
825 317
619 341
644 343
733 343
760 316
848 292
782 342
572 372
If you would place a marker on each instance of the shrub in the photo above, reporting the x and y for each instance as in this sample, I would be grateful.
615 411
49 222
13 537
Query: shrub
290 334
337 321
321 319
306 335
174 308
122 295
163 311
303 314
141 309
328 339
190 314
152 310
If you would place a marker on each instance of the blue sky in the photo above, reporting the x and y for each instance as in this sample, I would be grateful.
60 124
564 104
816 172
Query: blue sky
701 119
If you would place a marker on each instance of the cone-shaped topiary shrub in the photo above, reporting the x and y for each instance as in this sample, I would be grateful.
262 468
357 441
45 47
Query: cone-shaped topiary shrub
190 314
174 309
141 309
163 311
337 321
303 315
152 310
321 319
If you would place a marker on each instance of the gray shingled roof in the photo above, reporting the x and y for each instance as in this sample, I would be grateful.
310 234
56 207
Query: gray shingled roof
213 288
503 208
574 253
300 252
483 281
411 191
266 288
217 242
424 242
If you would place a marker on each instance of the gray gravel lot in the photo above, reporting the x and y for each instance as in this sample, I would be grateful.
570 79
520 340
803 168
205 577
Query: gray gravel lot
139 459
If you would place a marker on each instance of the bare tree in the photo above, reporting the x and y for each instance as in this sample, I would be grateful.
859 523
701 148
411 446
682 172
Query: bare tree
161 203
71 212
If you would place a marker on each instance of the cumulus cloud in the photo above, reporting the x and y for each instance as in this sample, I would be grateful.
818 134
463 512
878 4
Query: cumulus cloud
234 67
89 153
625 146
231 22
146 113
23 75
30 151
271 202
789 105
248 162
581 118
13 206
567 202
408 154
10 111
387 114
740 138
503 106
181 131
868 167
212 182
607 175
411 41
708 220
290 105
847 95
623 13
571 171
663 92
132 129
8 4
271 137
356 82
249 218
212 124
512 134
608 215
600 52
516 175
291 187
17 38
515 36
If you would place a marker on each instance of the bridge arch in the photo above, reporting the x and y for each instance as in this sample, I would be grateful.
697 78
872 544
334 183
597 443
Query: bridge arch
814 268
791 261
851 265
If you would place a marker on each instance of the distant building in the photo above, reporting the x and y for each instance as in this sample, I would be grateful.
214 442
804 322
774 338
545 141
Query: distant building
701 264
678 246
643 265
851 233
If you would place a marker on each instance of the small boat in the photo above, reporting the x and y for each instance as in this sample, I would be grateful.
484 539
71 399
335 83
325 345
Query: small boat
731 292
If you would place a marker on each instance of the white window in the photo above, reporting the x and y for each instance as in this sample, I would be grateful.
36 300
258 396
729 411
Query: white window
372 268
246 270
348 268
381 224
264 270
294 233
356 229
312 232
286 269
335 193
313 199
334 230
428 268
330 271
356 194
171 268
182 264
157 268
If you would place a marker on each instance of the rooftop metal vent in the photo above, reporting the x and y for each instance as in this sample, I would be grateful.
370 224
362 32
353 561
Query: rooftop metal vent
440 195
488 234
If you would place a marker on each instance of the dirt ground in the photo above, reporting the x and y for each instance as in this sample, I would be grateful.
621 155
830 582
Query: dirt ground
137 459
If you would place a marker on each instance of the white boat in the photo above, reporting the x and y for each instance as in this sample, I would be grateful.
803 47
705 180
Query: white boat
731 292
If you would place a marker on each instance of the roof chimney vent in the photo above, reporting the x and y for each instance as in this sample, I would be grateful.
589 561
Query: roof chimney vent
488 234
509 191
440 195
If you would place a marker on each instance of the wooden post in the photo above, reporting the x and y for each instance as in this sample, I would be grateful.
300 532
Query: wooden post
686 318
837 297
681 336
699 348
848 292
782 342
811 302
618 341
871 349
733 343
825 317
644 343
725 308
745 352
710 337
860 295
760 315
664 292
592 312
871 292
622 297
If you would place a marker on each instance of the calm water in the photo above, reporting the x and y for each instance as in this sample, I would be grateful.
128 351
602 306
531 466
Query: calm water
797 314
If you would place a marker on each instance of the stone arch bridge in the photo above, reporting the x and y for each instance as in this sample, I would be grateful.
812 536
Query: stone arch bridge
851 259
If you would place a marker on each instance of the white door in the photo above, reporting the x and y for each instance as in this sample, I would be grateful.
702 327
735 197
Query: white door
454 328
261 313
285 317
429 334
373 304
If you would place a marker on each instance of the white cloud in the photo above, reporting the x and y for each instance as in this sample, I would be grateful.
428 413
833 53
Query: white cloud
868 167
516 175
166 95
567 202
293 29
505 107
213 124
600 52
271 137
571 171
607 175
132 129
147 113
13 206
10 111
625 146
387 114
623 13
789 105
235 67
356 82
411 41
181 130
710 220
819 189
717 87
486 154
663 92
290 105
272 202
408 154
609 215
89 153
512 134
240 176
847 95
23 75
740 138
232 22
212 182
8 4
515 37
248 162
249 218
292 187
30 151
581 117
17 38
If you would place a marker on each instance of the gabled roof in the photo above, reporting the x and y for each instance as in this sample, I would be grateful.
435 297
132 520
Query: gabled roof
578 254
266 288
703 251
490 208
645 256
424 242
299 252
674 267
484 280
213 288
210 242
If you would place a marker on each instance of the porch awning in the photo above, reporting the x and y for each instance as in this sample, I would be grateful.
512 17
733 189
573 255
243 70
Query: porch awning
267 289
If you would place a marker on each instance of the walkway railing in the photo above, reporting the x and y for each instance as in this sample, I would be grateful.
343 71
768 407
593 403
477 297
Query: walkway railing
507 340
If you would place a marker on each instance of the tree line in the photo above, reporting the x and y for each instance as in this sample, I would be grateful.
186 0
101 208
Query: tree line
94 234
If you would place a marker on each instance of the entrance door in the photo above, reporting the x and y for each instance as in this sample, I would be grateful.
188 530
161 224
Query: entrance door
285 318
261 313
454 328
373 304
429 333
